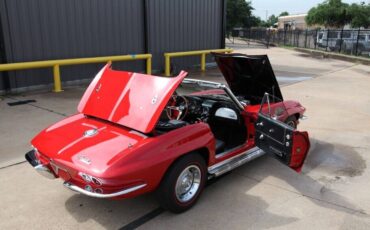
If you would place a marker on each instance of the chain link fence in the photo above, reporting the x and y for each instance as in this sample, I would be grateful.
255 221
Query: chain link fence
352 42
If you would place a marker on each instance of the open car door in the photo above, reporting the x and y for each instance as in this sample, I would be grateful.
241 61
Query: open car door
274 136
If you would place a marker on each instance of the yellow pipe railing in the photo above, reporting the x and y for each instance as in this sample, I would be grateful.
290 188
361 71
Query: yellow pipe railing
202 54
75 61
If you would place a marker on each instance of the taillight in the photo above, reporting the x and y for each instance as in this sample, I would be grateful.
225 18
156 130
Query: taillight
96 181
85 177
88 179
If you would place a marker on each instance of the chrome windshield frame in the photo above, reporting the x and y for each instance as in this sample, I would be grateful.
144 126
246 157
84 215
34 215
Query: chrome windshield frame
215 85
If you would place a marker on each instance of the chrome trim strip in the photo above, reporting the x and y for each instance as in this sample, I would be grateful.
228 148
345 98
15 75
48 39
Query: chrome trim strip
210 84
100 195
281 143
211 168
228 151
234 162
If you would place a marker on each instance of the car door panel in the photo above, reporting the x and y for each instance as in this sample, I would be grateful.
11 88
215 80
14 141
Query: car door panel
300 148
277 138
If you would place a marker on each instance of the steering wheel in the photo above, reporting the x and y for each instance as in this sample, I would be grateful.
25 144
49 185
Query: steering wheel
177 107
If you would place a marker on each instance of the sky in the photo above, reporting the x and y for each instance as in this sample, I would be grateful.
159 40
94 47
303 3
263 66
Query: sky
292 6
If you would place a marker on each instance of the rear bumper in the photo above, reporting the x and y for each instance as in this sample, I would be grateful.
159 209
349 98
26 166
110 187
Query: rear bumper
42 169
45 171
100 195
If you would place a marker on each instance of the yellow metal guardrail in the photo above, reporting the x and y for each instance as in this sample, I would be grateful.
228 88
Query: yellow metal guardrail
75 61
202 54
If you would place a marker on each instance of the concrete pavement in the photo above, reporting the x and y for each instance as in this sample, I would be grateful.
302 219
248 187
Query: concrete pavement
333 192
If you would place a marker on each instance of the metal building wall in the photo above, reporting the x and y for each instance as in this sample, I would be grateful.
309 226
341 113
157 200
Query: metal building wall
55 29
181 25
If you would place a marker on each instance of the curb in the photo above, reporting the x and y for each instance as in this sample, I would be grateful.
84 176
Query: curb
315 53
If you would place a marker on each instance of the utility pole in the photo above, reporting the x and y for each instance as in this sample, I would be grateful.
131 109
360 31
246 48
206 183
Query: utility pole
267 12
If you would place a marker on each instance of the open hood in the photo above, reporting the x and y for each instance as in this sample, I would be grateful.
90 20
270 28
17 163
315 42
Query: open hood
248 75
133 100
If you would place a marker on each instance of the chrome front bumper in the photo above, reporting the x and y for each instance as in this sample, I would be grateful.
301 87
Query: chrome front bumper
40 168
303 117
101 195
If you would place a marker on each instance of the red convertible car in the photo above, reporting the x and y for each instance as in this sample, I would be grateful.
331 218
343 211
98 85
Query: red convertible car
136 133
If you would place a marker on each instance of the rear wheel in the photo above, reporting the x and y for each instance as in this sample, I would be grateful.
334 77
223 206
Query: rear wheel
183 183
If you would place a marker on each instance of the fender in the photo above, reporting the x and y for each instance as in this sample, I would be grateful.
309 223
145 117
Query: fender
149 161
294 107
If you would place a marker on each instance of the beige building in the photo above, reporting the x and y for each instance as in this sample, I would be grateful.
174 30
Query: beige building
292 22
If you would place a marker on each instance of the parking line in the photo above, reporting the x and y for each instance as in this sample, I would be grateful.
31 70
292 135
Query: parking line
18 163
158 211
142 220
31 103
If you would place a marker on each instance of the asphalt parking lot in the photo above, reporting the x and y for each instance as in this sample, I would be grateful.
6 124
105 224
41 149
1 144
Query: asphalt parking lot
332 192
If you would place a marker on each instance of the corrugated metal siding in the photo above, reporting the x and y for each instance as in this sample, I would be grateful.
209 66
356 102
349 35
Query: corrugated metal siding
3 75
55 29
182 25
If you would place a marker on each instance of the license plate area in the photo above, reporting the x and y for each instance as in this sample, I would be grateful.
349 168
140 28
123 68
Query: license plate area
62 173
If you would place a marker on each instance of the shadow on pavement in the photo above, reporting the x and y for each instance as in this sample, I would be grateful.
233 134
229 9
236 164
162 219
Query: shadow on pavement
228 195
111 214
325 165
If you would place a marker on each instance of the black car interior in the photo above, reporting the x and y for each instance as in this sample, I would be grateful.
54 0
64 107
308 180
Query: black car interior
228 131
224 119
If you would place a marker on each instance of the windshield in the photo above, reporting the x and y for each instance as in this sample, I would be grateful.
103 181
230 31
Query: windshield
204 88
208 89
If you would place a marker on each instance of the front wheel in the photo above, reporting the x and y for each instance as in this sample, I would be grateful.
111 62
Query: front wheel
183 183
292 121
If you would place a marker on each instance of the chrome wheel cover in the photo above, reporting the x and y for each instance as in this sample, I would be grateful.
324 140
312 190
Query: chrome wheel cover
188 183
291 124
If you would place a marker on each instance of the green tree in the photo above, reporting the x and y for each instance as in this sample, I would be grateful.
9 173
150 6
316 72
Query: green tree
238 13
284 13
360 15
270 21
252 21
330 13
